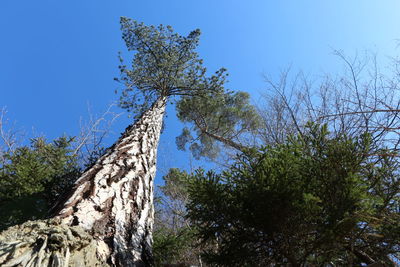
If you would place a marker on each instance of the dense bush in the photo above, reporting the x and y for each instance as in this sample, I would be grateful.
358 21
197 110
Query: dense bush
317 199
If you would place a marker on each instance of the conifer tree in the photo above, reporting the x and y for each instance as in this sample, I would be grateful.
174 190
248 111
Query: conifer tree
108 215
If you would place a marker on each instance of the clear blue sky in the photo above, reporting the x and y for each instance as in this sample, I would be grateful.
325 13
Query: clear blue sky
57 56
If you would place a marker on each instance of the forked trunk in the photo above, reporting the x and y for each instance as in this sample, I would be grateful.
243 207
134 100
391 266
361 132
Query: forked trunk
112 201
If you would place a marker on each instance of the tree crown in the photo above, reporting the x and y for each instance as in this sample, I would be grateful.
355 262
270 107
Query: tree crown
164 64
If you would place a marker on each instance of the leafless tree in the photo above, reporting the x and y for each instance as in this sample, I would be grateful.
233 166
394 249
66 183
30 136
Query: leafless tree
10 137
362 99
89 143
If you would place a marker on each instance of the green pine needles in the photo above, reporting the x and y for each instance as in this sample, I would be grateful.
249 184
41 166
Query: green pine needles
314 200
164 64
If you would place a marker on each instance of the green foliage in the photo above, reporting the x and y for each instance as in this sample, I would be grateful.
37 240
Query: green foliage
176 184
172 246
164 64
33 177
174 240
316 199
216 118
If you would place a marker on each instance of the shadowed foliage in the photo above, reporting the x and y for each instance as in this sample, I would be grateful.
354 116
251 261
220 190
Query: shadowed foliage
33 177
315 199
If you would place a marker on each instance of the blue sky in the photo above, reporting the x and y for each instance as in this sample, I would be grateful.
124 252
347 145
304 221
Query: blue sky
58 56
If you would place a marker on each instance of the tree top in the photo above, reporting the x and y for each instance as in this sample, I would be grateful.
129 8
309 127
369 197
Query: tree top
164 64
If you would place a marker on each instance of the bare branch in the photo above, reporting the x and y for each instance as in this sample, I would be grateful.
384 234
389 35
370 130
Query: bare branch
9 138
93 132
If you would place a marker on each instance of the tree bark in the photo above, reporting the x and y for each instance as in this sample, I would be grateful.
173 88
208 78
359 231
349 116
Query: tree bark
112 202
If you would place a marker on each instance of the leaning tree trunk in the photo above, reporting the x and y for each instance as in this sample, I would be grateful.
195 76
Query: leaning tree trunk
107 219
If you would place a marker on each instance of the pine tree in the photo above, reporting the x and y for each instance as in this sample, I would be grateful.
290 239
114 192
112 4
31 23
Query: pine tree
106 220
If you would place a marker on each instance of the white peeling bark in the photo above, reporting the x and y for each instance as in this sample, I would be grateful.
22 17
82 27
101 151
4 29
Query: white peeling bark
107 219
113 199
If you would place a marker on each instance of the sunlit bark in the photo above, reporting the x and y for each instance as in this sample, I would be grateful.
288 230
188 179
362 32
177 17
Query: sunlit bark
111 205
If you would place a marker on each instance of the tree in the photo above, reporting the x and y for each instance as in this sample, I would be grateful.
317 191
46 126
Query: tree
165 64
174 241
360 98
315 199
89 142
32 177
113 199
226 118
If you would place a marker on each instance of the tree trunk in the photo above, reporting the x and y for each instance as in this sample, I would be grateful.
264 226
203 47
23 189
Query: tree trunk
111 204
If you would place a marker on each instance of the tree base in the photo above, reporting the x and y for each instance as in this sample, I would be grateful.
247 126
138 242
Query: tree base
49 243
